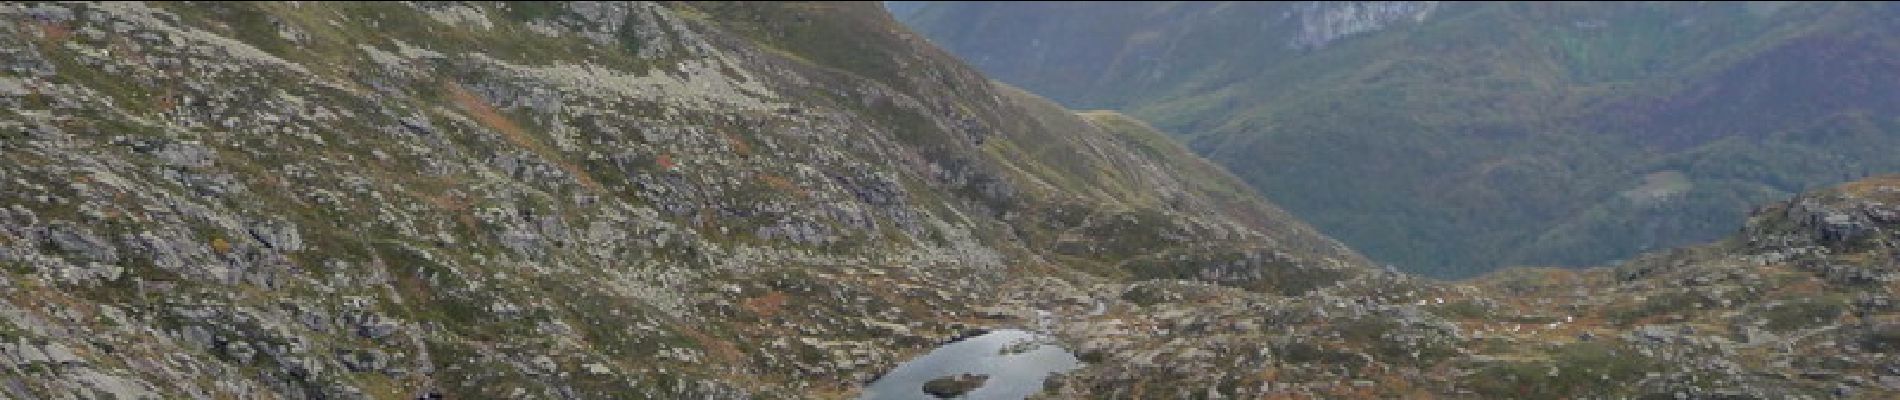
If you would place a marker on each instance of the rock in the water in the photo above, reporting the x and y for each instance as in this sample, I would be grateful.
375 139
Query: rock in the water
954 385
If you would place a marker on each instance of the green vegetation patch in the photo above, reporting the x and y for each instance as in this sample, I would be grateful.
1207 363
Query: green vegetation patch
1577 370
1804 313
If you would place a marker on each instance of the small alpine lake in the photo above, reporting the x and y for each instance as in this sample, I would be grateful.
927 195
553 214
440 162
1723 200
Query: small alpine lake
1015 363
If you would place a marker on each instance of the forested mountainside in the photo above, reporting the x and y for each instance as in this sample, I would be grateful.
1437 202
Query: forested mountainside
762 200
1453 138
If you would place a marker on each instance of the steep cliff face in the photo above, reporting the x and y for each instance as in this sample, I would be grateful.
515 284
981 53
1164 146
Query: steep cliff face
1323 22
1455 138
1114 55
315 200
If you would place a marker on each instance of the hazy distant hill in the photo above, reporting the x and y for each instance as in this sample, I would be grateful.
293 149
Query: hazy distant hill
1453 138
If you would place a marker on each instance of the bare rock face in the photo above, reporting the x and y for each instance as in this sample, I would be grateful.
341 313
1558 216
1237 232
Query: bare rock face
1323 22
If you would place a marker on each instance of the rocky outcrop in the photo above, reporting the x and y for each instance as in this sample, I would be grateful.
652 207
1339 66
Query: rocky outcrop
954 386
1324 22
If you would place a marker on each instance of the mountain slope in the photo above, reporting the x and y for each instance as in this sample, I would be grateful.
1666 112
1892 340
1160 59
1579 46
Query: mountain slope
1799 303
744 200
559 200
1455 138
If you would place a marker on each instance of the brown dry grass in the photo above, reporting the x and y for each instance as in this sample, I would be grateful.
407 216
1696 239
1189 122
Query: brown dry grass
456 205
723 351
488 116
766 305
1873 186
665 161
166 103
739 146
55 31
782 184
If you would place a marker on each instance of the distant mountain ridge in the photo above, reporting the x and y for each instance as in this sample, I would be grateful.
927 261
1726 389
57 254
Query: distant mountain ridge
1453 138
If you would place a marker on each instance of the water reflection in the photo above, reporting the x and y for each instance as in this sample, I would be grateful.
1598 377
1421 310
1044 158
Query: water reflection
1016 362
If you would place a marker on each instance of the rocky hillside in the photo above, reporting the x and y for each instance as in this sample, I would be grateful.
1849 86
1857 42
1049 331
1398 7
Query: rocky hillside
1802 303
748 200
1454 138
554 200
